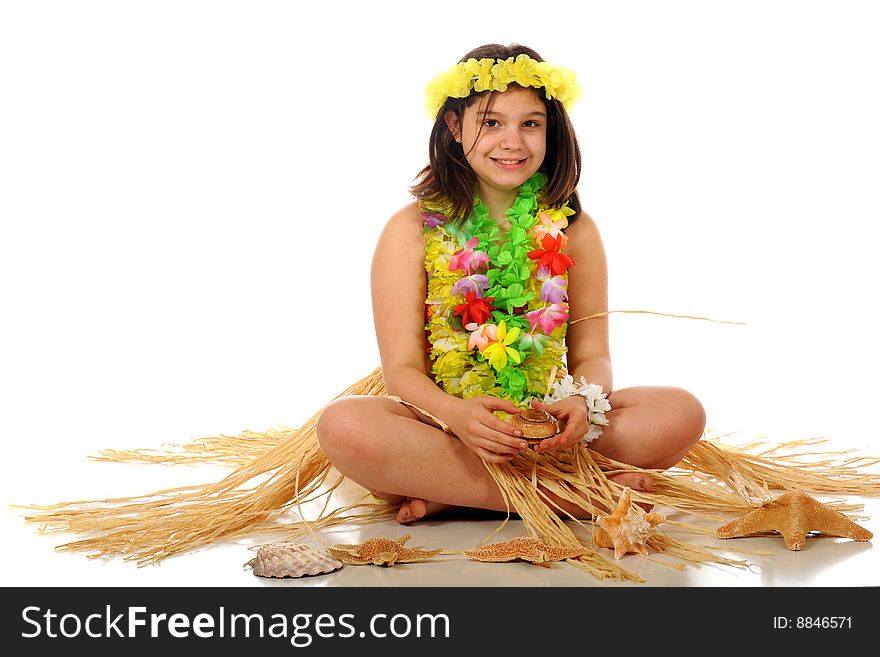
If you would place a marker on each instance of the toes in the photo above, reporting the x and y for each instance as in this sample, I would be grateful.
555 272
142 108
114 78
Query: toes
418 507
404 516
637 481
634 480
411 510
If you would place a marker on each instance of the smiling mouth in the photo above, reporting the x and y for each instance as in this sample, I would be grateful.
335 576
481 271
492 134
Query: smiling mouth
507 163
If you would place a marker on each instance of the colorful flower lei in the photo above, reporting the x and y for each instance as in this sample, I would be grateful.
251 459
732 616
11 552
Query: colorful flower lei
497 302
495 75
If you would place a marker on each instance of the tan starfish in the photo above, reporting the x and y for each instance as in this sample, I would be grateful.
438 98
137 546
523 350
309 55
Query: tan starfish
627 528
794 515
525 548
380 551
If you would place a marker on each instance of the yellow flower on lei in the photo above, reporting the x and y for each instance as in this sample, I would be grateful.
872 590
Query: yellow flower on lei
443 337
440 292
450 364
499 351
457 341
438 252
552 355
479 380
559 214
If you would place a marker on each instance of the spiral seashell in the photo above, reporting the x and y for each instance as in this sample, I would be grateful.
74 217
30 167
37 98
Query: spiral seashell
291 560
626 529
535 424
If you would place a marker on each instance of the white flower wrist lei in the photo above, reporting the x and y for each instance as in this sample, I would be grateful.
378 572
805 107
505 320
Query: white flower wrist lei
596 401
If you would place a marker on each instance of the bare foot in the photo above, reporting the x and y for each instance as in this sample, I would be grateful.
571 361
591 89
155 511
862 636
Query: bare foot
636 481
413 509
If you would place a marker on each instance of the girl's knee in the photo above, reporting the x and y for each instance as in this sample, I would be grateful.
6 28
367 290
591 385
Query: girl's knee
345 430
338 425
689 414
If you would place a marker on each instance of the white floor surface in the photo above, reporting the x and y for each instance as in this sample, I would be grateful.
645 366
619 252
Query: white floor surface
825 561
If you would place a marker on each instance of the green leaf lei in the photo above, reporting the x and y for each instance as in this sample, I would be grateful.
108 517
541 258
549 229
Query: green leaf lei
497 305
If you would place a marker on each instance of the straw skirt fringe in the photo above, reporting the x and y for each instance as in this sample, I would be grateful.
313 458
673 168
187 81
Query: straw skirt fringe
712 479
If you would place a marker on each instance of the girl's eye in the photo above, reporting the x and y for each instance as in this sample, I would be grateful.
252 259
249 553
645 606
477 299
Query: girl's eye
531 124
490 123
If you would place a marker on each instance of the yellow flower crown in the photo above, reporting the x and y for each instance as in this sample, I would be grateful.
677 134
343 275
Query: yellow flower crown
496 74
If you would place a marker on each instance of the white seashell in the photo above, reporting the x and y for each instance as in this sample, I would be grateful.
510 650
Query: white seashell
291 560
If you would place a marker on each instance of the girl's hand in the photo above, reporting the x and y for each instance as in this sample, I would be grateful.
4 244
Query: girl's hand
490 437
574 422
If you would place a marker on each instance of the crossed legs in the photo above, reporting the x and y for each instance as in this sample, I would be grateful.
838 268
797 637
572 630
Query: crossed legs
386 447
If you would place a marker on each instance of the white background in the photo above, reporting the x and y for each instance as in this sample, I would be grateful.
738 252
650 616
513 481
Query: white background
190 194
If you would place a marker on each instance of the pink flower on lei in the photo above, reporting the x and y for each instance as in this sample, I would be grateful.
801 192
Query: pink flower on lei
476 283
553 288
433 220
481 335
549 227
548 317
468 260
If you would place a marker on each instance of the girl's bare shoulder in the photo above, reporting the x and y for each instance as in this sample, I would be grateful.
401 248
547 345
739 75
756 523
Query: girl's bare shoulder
406 221
583 233
402 231
582 224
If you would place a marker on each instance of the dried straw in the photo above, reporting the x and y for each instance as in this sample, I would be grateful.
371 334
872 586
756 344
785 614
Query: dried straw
279 470
149 528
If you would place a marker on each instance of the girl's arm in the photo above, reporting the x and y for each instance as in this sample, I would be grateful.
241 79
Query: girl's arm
588 348
398 284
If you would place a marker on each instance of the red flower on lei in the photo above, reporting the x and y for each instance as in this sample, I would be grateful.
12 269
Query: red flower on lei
550 257
474 309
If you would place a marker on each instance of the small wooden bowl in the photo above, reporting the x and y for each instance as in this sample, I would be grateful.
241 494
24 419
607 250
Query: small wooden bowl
535 425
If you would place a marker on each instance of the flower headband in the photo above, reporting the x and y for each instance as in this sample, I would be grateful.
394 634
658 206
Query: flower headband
496 74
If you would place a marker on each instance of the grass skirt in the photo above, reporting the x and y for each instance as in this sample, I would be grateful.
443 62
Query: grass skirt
279 470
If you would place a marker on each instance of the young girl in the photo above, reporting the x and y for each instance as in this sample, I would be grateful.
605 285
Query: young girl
504 166
489 301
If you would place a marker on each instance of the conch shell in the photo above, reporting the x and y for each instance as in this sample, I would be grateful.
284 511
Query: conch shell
627 528
535 424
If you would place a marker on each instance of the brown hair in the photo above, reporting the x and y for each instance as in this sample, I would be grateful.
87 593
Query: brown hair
448 181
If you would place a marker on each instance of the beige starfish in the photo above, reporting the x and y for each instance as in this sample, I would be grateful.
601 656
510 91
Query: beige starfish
627 528
380 551
794 515
525 548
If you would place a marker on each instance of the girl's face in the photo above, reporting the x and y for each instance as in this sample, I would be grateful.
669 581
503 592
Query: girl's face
506 144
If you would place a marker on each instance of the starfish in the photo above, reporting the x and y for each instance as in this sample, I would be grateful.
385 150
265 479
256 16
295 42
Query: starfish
627 528
380 551
525 548
794 515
